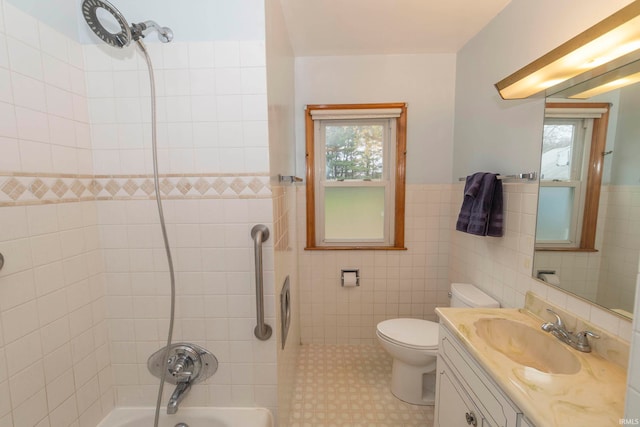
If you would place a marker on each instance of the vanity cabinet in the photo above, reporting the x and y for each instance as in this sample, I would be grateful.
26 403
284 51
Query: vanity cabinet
465 393
455 407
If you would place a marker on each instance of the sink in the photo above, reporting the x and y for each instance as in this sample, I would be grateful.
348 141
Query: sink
527 346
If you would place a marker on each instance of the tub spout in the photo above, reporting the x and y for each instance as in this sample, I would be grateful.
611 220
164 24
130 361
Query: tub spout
178 394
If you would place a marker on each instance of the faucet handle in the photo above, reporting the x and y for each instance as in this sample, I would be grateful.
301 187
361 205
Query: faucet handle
559 322
583 341
582 336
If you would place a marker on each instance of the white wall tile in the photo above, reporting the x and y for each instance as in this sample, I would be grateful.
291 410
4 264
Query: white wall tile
57 72
62 131
20 258
203 81
21 26
23 352
227 54
59 102
8 125
26 383
31 411
204 108
228 81
25 59
28 92
32 125
6 92
254 80
252 53
16 289
201 55
53 42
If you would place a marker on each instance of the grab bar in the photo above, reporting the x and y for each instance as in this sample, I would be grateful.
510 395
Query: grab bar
260 234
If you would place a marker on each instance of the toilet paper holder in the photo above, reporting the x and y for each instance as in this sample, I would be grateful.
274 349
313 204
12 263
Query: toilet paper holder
541 272
349 272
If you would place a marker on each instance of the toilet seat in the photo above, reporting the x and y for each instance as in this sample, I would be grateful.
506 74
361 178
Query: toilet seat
411 333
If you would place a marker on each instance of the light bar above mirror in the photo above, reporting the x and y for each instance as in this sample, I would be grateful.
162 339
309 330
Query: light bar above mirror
613 37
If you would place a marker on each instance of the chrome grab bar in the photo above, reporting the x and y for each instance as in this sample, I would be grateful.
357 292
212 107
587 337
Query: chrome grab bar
260 234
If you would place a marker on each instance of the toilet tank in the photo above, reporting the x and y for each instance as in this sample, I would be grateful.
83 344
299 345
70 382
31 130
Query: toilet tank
466 295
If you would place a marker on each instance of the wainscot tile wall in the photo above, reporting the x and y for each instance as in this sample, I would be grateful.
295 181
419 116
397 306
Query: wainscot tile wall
502 266
409 283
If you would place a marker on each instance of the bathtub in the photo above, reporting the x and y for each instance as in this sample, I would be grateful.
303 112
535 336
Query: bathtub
192 417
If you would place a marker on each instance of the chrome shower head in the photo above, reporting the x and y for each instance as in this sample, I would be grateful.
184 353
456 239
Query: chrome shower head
127 33
90 13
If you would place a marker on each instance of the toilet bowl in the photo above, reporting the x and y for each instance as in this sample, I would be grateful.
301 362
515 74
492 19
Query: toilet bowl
413 345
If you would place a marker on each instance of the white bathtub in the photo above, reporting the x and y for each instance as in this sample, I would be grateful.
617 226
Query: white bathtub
193 417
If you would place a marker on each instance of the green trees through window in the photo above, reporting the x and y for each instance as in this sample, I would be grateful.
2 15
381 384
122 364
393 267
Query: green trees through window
354 152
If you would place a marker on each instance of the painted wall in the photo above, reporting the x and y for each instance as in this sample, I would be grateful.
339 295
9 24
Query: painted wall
515 148
203 20
425 82
60 15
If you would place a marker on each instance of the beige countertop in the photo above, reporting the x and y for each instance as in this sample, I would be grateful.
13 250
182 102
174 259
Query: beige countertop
594 396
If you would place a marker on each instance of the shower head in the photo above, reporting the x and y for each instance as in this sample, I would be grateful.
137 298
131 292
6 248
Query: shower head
122 38
90 13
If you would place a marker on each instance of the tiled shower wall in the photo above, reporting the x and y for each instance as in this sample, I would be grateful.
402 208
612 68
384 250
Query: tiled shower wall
54 357
409 283
214 160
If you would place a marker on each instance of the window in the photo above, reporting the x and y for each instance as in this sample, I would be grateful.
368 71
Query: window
570 176
355 176
562 195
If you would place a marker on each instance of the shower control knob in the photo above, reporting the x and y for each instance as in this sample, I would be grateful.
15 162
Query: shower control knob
182 363
181 366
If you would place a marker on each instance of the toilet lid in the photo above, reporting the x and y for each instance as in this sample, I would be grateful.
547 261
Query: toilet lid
410 332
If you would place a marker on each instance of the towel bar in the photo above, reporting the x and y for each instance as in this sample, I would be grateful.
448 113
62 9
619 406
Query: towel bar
529 176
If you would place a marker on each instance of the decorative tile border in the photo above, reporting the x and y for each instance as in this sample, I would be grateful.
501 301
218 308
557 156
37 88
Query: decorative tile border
24 189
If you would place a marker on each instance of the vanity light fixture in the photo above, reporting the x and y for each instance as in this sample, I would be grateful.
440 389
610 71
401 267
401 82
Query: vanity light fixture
611 38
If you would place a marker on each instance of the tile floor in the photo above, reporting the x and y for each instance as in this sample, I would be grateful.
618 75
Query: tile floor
348 386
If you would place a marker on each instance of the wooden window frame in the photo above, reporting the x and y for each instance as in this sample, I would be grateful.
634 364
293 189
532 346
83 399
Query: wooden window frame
400 175
594 177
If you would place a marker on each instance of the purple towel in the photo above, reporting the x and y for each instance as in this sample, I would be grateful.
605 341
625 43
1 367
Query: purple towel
496 215
482 209
471 187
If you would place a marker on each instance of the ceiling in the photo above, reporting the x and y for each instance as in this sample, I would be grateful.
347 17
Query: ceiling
370 27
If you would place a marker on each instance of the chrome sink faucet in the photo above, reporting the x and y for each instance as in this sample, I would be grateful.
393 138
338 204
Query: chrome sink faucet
579 340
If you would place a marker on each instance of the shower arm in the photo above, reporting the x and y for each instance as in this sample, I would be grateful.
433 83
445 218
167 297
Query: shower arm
138 31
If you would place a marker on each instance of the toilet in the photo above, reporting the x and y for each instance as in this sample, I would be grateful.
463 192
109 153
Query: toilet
413 344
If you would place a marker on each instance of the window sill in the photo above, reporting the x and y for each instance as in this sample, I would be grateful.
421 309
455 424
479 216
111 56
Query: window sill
355 248
549 249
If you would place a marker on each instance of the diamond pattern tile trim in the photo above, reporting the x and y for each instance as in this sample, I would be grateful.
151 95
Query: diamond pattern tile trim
26 189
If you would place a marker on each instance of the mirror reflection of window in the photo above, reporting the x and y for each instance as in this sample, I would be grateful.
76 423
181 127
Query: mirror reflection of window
562 179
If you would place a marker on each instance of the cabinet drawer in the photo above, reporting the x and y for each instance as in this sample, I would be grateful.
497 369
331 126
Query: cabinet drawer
483 391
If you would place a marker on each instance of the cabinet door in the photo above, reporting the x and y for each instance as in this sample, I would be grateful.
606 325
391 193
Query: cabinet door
454 408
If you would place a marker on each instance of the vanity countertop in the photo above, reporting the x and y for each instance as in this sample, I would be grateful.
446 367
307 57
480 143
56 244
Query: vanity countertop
594 396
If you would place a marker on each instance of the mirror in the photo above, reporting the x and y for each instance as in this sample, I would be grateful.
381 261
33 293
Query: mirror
606 272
